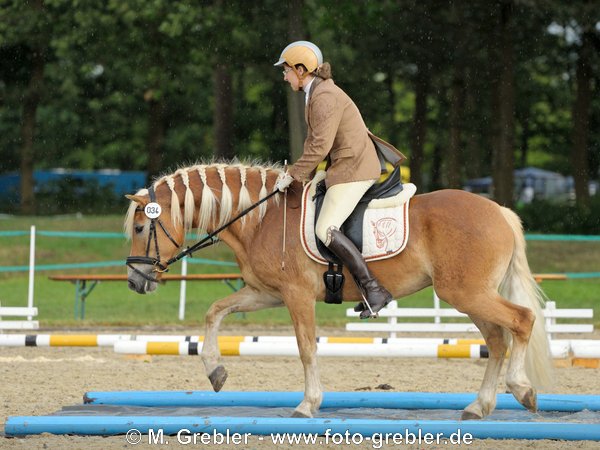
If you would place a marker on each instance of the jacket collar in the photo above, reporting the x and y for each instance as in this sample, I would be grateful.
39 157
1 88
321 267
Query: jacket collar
311 90
315 82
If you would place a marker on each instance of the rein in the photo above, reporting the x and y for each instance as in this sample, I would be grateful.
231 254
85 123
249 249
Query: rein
207 241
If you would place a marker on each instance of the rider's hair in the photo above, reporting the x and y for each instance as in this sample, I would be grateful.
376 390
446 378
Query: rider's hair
324 71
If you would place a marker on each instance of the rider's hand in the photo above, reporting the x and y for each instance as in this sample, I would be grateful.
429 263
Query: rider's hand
284 180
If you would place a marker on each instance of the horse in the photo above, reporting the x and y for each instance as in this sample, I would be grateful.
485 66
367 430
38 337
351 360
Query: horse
470 249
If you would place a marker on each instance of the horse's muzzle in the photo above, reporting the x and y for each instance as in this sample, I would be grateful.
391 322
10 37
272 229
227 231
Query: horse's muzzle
140 281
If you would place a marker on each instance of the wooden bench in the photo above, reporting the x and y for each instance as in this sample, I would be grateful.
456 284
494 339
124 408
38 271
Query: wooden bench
539 277
393 326
21 312
83 290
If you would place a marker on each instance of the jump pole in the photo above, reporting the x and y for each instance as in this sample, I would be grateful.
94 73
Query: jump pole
384 400
242 348
578 348
60 340
246 426
52 340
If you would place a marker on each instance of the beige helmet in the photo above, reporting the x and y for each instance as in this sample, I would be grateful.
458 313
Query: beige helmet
301 52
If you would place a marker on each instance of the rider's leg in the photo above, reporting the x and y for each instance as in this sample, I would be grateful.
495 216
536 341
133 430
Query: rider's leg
340 200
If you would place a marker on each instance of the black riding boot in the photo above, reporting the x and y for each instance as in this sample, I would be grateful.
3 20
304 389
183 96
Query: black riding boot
346 251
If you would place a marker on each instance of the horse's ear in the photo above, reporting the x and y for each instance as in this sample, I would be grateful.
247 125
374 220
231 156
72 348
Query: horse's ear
142 201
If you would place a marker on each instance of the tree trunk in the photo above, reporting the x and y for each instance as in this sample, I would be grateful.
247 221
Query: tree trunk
453 171
503 152
393 129
31 101
473 149
581 121
453 156
419 127
525 135
295 100
156 135
223 118
436 168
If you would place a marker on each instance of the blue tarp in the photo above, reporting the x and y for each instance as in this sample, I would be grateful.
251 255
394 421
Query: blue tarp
122 182
541 184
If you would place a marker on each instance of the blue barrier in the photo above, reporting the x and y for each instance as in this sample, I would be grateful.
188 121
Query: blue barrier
386 400
109 235
562 237
243 426
81 234
112 235
14 233
89 265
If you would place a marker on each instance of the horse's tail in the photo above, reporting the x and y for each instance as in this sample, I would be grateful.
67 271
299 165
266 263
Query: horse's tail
520 288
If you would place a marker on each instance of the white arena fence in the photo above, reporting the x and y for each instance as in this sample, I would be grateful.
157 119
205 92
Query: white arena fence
18 318
393 326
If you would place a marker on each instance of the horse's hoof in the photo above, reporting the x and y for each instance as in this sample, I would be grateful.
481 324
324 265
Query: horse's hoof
300 415
529 400
218 377
468 415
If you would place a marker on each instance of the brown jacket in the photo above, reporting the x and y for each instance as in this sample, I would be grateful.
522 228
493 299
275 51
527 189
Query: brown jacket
336 131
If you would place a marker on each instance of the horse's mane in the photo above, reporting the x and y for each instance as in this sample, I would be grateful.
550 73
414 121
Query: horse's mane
208 202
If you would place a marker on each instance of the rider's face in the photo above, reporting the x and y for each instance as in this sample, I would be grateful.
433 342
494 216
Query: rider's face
291 77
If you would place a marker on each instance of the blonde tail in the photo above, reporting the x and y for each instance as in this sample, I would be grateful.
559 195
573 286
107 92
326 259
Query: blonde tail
520 288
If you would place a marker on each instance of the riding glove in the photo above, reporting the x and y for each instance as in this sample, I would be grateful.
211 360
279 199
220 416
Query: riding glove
283 182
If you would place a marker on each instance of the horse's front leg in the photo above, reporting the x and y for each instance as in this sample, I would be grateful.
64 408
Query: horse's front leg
245 300
302 312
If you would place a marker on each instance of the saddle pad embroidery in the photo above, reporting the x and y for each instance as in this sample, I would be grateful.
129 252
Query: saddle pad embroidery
385 224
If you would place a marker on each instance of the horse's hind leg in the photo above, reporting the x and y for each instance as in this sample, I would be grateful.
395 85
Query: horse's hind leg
496 344
245 300
493 308
517 380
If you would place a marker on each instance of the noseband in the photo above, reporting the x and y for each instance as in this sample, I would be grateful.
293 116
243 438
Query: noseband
152 237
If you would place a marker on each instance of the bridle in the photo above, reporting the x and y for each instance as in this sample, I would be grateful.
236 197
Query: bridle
207 241
152 237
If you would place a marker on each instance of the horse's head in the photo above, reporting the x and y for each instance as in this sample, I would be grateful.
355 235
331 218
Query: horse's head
159 217
155 238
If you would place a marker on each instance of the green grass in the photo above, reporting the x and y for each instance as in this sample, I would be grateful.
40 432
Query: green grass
112 304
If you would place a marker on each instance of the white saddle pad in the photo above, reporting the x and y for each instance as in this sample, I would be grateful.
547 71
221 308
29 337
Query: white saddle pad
385 224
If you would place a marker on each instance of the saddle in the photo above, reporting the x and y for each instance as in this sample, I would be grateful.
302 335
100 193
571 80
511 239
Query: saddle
353 226
378 226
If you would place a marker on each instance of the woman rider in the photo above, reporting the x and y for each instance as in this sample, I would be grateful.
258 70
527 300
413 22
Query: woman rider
336 131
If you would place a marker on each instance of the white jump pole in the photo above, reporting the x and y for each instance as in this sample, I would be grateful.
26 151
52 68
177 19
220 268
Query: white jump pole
182 289
31 269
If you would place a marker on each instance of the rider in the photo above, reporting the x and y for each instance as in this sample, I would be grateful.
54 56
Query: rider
337 132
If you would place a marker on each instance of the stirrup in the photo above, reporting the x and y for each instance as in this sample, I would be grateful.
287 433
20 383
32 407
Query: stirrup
369 313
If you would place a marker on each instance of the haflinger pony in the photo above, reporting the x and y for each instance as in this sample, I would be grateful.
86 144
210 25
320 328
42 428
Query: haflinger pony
471 249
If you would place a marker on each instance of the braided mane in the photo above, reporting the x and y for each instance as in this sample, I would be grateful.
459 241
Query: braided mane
210 198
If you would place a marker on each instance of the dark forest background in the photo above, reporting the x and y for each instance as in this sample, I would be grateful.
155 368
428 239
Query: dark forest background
464 89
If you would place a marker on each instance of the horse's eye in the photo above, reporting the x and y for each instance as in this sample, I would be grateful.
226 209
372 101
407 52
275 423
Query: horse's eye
139 228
